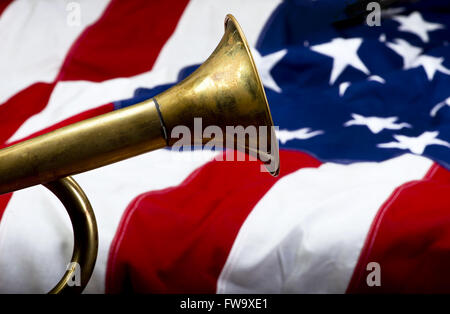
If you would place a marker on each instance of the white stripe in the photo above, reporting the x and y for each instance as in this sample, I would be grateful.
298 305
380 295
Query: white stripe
201 26
35 38
70 98
73 97
305 235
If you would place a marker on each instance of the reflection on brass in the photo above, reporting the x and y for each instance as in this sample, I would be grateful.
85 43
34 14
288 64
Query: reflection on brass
224 91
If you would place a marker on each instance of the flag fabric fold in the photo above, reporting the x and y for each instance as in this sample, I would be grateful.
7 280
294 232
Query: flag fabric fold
364 132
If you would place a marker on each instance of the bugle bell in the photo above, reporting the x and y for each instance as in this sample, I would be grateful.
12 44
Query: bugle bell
224 91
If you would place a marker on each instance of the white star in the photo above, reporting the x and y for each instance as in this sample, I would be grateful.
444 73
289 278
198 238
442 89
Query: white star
343 87
301 134
376 124
265 65
431 65
344 53
412 58
376 78
408 52
439 106
414 23
416 145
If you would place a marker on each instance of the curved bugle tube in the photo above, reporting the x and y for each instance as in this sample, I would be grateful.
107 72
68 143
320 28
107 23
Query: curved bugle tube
224 91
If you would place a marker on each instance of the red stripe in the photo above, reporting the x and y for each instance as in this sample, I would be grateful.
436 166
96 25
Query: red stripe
178 239
3 5
125 42
4 199
410 240
20 107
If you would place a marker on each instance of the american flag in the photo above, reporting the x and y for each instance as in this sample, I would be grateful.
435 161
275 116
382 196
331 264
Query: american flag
364 130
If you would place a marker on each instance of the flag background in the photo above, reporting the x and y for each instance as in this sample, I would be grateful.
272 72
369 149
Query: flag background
341 200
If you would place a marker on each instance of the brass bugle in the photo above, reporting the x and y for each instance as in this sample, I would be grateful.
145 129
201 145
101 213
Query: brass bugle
224 91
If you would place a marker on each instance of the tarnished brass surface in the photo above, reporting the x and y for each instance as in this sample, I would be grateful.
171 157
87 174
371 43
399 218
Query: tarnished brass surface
224 91
85 235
